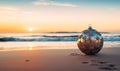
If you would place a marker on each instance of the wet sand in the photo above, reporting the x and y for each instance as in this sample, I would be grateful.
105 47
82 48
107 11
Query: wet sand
59 60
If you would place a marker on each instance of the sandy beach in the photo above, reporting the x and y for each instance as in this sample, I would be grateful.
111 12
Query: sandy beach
47 35
59 60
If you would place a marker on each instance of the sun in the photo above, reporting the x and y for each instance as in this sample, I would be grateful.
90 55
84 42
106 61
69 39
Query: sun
30 29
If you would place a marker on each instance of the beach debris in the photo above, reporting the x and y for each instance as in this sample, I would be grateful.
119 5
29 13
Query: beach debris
94 64
74 54
102 62
94 60
103 65
85 62
106 68
27 60
111 65
82 54
98 63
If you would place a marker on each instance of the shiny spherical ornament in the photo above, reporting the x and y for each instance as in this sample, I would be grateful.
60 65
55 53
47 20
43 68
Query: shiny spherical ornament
90 42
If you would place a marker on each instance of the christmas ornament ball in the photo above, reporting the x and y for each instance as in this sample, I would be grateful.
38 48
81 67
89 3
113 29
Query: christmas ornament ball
90 42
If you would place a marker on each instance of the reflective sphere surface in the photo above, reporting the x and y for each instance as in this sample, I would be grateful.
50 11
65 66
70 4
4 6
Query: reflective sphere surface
90 41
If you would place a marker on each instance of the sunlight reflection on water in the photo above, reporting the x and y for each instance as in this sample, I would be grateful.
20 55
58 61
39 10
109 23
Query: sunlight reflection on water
48 45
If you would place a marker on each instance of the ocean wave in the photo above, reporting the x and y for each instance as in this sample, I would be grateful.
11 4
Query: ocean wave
53 38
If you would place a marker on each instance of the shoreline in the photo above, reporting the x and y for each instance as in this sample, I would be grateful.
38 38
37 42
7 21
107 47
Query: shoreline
45 48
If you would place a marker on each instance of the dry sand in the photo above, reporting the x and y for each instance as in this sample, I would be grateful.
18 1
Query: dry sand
59 60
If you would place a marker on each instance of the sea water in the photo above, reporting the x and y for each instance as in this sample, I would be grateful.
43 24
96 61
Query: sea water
63 40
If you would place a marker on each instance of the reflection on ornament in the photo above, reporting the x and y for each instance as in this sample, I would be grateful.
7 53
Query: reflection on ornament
90 41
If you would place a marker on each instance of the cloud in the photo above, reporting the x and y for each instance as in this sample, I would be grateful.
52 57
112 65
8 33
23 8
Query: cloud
112 9
12 11
8 8
52 3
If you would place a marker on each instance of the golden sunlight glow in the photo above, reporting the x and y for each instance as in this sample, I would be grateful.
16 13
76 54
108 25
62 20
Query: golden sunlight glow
73 20
30 29
30 47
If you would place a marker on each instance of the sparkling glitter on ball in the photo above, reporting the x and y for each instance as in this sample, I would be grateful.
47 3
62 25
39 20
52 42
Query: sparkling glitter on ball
90 42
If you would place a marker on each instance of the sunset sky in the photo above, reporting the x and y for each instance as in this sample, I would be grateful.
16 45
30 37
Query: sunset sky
20 16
